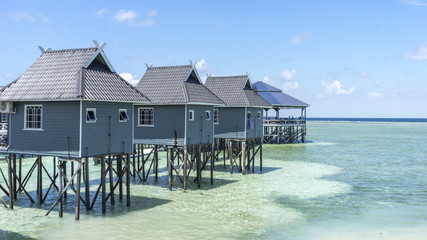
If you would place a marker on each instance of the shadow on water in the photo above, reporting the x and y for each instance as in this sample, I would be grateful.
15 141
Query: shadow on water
138 203
8 235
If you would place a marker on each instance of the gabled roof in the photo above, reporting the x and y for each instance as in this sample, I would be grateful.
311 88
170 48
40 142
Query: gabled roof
83 73
235 91
276 97
175 84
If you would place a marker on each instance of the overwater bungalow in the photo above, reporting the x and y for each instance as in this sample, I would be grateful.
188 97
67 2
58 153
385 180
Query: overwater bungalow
291 129
240 120
70 104
179 116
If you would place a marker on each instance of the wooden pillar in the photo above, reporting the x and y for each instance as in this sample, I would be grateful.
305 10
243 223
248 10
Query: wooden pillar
230 155
72 173
87 183
223 151
184 162
243 157
103 190
253 143
40 179
198 167
143 164
138 146
128 179
61 202
260 156
110 176
79 178
9 172
212 162
133 160
64 168
156 162
169 163
119 173
15 184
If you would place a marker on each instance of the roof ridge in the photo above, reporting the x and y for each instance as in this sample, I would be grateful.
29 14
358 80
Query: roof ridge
71 49
171 66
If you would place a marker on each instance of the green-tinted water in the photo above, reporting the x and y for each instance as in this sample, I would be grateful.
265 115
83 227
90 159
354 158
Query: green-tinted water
355 181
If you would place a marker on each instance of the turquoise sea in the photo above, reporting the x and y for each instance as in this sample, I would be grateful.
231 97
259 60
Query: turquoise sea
354 180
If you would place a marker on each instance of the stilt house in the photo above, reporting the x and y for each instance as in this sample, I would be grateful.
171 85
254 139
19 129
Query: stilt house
241 117
181 109
70 103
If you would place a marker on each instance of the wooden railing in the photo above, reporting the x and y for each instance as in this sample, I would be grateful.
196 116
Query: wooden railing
284 121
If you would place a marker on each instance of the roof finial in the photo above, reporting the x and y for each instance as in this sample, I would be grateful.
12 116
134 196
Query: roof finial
193 64
148 66
44 50
248 73
102 45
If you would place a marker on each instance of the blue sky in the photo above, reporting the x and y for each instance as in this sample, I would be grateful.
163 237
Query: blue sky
346 58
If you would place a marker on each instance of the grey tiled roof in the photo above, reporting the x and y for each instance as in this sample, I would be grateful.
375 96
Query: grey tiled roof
276 97
235 91
60 74
175 84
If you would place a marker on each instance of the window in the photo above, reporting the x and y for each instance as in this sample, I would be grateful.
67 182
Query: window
191 115
91 115
259 116
216 116
146 116
208 115
249 115
33 116
4 117
123 115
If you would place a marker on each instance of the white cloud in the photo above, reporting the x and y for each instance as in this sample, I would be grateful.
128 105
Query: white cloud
363 74
123 15
300 37
420 54
415 3
290 86
100 12
412 95
266 79
43 18
288 74
320 96
201 65
132 79
336 87
18 16
376 94
131 18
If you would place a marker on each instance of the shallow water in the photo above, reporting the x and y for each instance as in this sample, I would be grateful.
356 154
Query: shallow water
356 180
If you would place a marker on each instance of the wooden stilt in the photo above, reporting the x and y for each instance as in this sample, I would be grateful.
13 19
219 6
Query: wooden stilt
72 172
184 162
243 157
103 190
253 154
9 170
260 156
230 152
133 162
143 164
87 183
20 170
64 167
39 175
198 167
212 162
169 162
79 179
223 151
15 192
119 173
138 146
156 161
128 179
110 172
61 203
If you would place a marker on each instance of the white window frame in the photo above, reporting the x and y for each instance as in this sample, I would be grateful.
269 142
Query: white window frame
139 117
259 115
217 116
208 115
41 118
94 112
126 113
190 115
